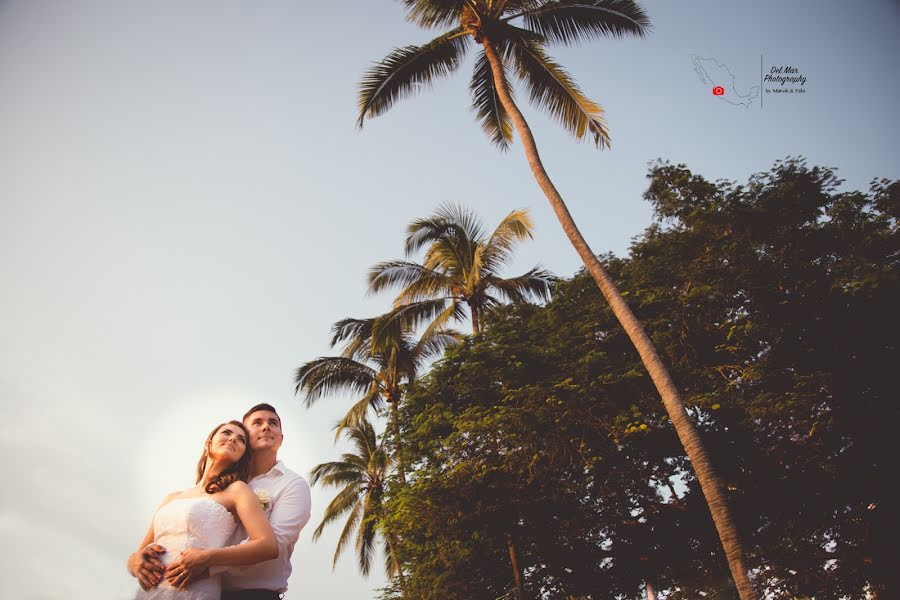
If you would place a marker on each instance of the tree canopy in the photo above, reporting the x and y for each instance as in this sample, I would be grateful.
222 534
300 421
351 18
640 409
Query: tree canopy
774 303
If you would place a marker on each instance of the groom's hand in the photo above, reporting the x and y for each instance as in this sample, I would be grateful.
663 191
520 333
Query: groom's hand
146 566
191 566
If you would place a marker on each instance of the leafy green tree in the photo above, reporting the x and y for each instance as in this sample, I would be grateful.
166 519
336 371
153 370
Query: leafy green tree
508 441
514 35
360 477
461 265
775 300
784 291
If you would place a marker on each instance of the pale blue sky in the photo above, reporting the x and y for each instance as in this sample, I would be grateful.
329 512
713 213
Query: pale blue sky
186 207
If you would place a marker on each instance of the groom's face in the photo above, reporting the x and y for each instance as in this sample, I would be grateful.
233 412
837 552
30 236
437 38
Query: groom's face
264 428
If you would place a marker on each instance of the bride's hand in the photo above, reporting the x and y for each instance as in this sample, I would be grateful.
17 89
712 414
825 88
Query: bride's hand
193 564
146 566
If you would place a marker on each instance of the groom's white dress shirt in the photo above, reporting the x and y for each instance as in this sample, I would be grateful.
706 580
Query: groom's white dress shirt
288 511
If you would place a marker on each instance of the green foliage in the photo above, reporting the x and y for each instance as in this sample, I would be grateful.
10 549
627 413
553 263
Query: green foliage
793 335
774 303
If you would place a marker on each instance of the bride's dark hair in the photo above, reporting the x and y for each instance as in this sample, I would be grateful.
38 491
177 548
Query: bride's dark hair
238 471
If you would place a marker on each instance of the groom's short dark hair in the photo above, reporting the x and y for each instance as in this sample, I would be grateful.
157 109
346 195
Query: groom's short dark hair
262 406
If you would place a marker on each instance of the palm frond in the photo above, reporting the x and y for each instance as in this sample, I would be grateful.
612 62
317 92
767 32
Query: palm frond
328 374
433 13
402 72
349 527
402 273
391 562
363 437
572 21
357 413
449 222
411 316
422 232
551 88
516 7
339 505
365 538
515 227
357 337
357 461
350 475
427 288
454 250
463 219
436 337
351 328
452 255
325 471
489 301
391 341
536 283
438 340
495 121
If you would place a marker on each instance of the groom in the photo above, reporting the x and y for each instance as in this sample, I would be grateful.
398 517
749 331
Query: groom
286 500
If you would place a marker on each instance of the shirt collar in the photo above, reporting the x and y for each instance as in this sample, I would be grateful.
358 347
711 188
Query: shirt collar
277 469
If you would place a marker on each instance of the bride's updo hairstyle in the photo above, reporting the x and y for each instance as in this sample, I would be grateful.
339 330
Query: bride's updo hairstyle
238 471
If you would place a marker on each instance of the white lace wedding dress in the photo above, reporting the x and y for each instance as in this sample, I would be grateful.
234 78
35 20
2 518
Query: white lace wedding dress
180 524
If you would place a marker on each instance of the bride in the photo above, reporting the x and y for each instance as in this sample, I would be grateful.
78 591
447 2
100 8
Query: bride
193 526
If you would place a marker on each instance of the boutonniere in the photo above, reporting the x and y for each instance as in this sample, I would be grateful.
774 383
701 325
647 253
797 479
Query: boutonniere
264 500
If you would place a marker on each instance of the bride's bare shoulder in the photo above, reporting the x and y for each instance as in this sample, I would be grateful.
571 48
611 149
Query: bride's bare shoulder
170 497
239 487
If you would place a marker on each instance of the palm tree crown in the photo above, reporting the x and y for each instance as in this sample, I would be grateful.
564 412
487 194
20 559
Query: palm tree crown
360 477
460 267
379 356
519 31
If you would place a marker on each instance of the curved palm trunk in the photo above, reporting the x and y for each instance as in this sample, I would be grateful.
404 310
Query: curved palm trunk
684 427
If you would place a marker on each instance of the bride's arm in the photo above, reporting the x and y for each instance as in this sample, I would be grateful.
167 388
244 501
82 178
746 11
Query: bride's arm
261 546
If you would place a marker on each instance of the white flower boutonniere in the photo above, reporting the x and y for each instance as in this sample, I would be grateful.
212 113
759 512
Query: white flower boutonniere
264 500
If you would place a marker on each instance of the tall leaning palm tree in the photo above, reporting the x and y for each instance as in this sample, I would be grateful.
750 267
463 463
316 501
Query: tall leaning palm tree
380 356
514 35
461 266
360 477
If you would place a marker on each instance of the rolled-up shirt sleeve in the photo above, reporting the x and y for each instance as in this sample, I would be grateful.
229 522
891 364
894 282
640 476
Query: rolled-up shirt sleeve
290 514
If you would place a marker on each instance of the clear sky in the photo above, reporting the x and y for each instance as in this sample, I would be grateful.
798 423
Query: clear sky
186 207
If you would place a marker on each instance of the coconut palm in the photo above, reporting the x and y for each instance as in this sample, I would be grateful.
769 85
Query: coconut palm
360 477
461 266
380 356
514 35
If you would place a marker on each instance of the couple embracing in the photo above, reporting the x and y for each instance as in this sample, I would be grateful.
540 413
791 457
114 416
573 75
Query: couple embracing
231 536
